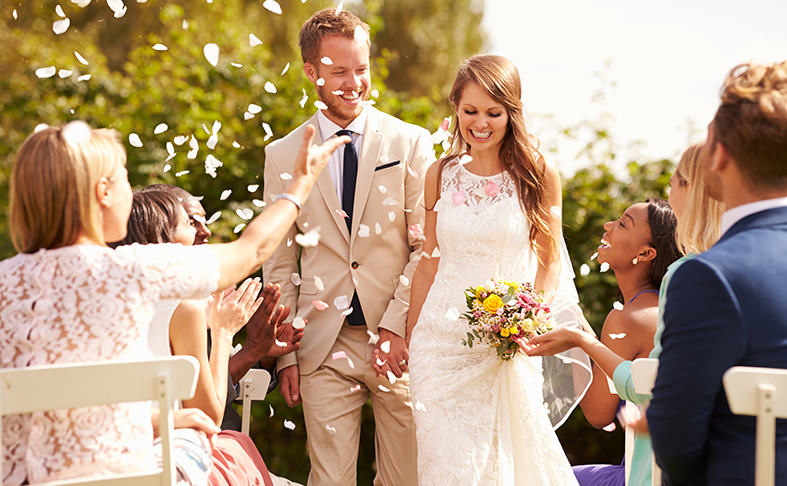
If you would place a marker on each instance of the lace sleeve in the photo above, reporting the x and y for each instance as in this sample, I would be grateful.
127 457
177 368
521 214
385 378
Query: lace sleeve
176 271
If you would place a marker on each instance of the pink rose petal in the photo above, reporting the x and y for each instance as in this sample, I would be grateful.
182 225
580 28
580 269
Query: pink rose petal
458 197
320 305
491 188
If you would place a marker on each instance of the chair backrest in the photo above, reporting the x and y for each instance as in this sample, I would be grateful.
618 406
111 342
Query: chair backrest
254 386
761 392
643 374
52 387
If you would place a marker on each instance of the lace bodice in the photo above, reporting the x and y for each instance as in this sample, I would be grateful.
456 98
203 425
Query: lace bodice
88 303
481 229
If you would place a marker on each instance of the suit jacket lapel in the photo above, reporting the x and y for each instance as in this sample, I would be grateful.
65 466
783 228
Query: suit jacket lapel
328 191
370 154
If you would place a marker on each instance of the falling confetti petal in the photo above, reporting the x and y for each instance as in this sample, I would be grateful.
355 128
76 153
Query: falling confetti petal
341 302
194 148
225 194
373 338
248 116
235 144
458 197
593 256
360 36
355 388
491 188
298 323
211 52
271 409
180 140
382 189
244 213
420 406
339 355
320 305
404 280
268 131
391 377
270 87
254 108
604 267
64 73
308 239
304 99
389 201
384 389
14 14
117 7
183 172
252 187
584 270
618 306
319 104
212 141
84 77
287 424
556 212
286 68
236 64
327 61
330 429
619 335
46 72
295 279
339 8
452 314
609 428
236 230
363 231
349 361
254 41
60 26
415 231
167 167
170 148
385 347
391 216
160 128
214 217
318 284
272 6
160 47
285 176
321 82
59 12
436 253
378 230
342 213
259 203
134 140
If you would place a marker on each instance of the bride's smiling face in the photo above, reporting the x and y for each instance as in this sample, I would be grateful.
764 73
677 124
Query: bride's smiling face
625 238
483 122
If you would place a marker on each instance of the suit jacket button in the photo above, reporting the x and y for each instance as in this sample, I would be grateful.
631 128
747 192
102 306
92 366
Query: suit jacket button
354 265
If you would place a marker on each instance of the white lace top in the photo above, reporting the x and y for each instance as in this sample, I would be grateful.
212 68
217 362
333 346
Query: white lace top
88 303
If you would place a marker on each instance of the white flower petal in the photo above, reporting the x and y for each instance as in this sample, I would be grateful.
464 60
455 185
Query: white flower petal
259 203
211 52
361 37
385 347
339 8
298 323
270 87
285 176
81 3
235 144
64 73
212 141
245 213
248 116
254 41
286 68
304 99
225 194
318 284
254 108
237 229
287 423
183 172
252 187
378 229
452 314
273 6
391 216
309 239
584 270
319 104
84 77
160 128
236 64
320 82
404 280
363 231
604 267
14 14
134 140
268 131
160 47
60 26
214 217
295 279
327 61
59 12
341 302
167 167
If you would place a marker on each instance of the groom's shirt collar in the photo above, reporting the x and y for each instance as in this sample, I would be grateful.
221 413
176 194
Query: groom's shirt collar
737 213
328 130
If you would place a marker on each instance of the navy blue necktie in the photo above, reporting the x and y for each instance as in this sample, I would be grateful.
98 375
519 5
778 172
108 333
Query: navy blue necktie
350 174
355 318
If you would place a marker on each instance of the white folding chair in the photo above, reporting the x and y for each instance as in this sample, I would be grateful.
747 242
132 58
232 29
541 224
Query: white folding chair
52 387
253 386
643 374
761 392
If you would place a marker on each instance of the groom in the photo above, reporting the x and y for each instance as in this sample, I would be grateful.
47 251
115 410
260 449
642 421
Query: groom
353 283
727 307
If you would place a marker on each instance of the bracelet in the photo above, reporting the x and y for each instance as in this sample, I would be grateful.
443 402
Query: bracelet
289 197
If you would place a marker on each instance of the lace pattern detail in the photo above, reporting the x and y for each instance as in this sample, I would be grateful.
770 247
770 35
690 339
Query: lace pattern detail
499 432
88 303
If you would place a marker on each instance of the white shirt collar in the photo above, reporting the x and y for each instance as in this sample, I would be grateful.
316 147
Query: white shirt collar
737 213
328 128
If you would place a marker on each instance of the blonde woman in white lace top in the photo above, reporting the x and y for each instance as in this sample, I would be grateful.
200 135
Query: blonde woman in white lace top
67 297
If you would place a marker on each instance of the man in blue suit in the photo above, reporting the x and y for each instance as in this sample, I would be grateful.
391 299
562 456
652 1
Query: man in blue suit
728 306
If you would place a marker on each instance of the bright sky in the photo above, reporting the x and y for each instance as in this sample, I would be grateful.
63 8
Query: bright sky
668 59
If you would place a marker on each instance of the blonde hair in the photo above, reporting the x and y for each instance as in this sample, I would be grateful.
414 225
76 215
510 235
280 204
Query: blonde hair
499 78
700 226
53 183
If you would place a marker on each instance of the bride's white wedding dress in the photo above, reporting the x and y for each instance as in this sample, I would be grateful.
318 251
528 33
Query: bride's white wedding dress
480 420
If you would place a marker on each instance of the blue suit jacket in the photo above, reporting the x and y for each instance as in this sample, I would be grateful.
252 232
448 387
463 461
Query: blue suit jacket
726 307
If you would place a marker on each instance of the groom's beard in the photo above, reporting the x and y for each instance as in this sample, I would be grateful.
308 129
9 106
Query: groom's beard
337 108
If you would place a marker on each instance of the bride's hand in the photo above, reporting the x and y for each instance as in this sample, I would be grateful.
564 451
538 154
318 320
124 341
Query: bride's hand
553 342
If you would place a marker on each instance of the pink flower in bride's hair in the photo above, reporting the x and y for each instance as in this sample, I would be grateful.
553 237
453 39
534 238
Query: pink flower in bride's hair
491 188
458 197
445 124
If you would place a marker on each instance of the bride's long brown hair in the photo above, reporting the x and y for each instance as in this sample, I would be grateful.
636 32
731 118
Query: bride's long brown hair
499 78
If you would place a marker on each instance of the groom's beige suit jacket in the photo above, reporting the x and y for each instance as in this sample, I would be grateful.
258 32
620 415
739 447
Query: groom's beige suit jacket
371 259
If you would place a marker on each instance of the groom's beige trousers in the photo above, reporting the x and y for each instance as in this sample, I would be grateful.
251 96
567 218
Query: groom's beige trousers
333 396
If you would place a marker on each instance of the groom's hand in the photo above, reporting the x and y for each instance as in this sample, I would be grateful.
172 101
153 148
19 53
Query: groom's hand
289 385
390 354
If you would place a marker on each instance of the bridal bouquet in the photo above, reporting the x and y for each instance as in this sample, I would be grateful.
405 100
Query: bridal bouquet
502 312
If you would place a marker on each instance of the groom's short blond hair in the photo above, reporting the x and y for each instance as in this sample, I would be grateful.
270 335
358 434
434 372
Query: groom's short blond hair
324 23
752 122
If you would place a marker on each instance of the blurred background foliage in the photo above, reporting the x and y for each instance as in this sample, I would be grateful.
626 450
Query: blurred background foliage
417 45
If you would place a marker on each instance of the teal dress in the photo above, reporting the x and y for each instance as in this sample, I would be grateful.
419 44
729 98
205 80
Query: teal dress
640 458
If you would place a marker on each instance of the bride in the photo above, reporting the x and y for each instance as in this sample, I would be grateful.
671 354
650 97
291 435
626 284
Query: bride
493 210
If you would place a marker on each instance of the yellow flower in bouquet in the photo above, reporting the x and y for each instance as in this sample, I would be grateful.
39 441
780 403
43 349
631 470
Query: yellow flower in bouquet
492 303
